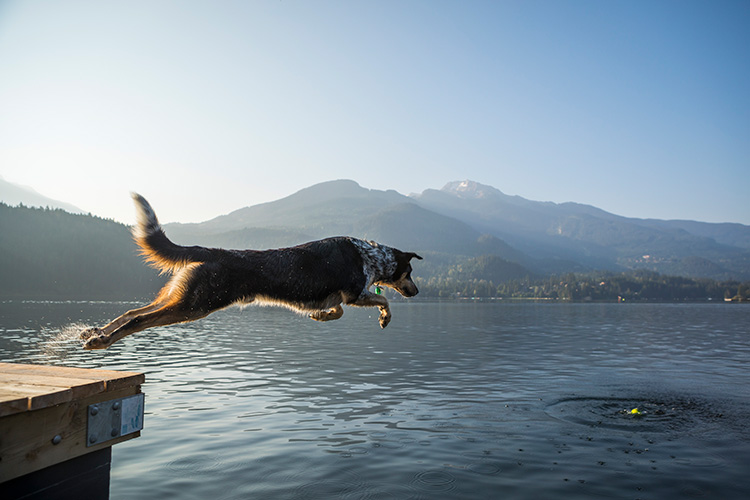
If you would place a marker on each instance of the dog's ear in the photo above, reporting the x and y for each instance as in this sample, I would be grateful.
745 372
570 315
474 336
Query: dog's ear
412 255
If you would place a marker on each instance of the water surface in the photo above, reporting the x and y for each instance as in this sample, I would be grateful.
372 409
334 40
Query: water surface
452 400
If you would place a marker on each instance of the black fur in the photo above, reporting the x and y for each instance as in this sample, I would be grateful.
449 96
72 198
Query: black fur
314 278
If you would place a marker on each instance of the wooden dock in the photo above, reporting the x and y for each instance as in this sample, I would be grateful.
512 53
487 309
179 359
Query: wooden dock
57 427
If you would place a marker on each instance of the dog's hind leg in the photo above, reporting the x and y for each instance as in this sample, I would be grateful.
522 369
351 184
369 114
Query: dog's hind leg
329 315
120 320
166 315
168 307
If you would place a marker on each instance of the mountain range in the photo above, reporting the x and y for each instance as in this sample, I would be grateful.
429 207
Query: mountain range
466 219
467 227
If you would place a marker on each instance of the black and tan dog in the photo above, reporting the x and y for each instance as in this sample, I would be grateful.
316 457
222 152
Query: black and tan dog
314 278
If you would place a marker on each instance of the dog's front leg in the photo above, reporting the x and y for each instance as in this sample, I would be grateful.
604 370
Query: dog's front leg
371 300
385 315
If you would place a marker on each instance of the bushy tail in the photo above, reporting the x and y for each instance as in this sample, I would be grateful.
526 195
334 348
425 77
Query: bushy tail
157 249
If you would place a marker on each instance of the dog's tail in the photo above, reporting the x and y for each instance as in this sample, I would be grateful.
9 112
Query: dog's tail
158 250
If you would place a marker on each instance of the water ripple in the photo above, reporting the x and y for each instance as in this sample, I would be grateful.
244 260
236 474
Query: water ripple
637 414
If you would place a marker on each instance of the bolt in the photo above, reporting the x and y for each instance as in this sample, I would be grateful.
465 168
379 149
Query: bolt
116 406
113 433
92 439
57 439
94 410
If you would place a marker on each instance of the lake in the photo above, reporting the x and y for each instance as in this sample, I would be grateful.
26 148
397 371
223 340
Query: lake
452 400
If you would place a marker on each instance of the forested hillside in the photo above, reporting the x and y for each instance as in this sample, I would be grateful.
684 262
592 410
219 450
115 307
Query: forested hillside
629 286
52 254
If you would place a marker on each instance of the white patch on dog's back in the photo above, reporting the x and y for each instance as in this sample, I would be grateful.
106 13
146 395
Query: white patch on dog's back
378 260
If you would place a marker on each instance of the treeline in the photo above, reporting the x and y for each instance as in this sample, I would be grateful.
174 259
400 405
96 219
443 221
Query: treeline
53 254
637 285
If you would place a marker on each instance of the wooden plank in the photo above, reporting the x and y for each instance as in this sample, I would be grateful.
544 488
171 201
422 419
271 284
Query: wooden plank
42 396
44 417
81 388
28 438
12 401
80 382
69 372
132 378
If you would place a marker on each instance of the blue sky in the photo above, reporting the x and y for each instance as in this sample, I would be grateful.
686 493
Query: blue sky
641 108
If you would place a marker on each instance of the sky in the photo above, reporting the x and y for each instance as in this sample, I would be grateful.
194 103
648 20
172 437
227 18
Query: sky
641 108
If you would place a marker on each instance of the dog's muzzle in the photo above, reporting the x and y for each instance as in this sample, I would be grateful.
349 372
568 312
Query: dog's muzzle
408 290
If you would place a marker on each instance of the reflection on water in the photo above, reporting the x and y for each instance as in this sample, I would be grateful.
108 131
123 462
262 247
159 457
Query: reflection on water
450 401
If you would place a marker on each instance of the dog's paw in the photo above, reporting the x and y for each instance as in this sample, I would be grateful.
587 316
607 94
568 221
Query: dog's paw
327 315
385 318
89 332
97 342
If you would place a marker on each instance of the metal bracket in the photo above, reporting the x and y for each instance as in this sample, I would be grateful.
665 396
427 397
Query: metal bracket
114 418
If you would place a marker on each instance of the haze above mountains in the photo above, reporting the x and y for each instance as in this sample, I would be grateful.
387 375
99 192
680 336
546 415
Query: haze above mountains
466 219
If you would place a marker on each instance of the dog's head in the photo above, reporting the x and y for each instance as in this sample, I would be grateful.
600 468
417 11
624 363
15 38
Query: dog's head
401 280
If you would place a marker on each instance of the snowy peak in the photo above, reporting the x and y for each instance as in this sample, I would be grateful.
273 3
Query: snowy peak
470 190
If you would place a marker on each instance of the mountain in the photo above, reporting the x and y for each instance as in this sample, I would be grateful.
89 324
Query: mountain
52 254
466 219
15 194
726 233
342 207
325 209
594 238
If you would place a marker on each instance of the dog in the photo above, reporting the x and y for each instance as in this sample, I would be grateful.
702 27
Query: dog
314 278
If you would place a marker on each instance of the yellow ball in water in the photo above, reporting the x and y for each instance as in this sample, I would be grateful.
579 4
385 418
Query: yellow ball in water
635 411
